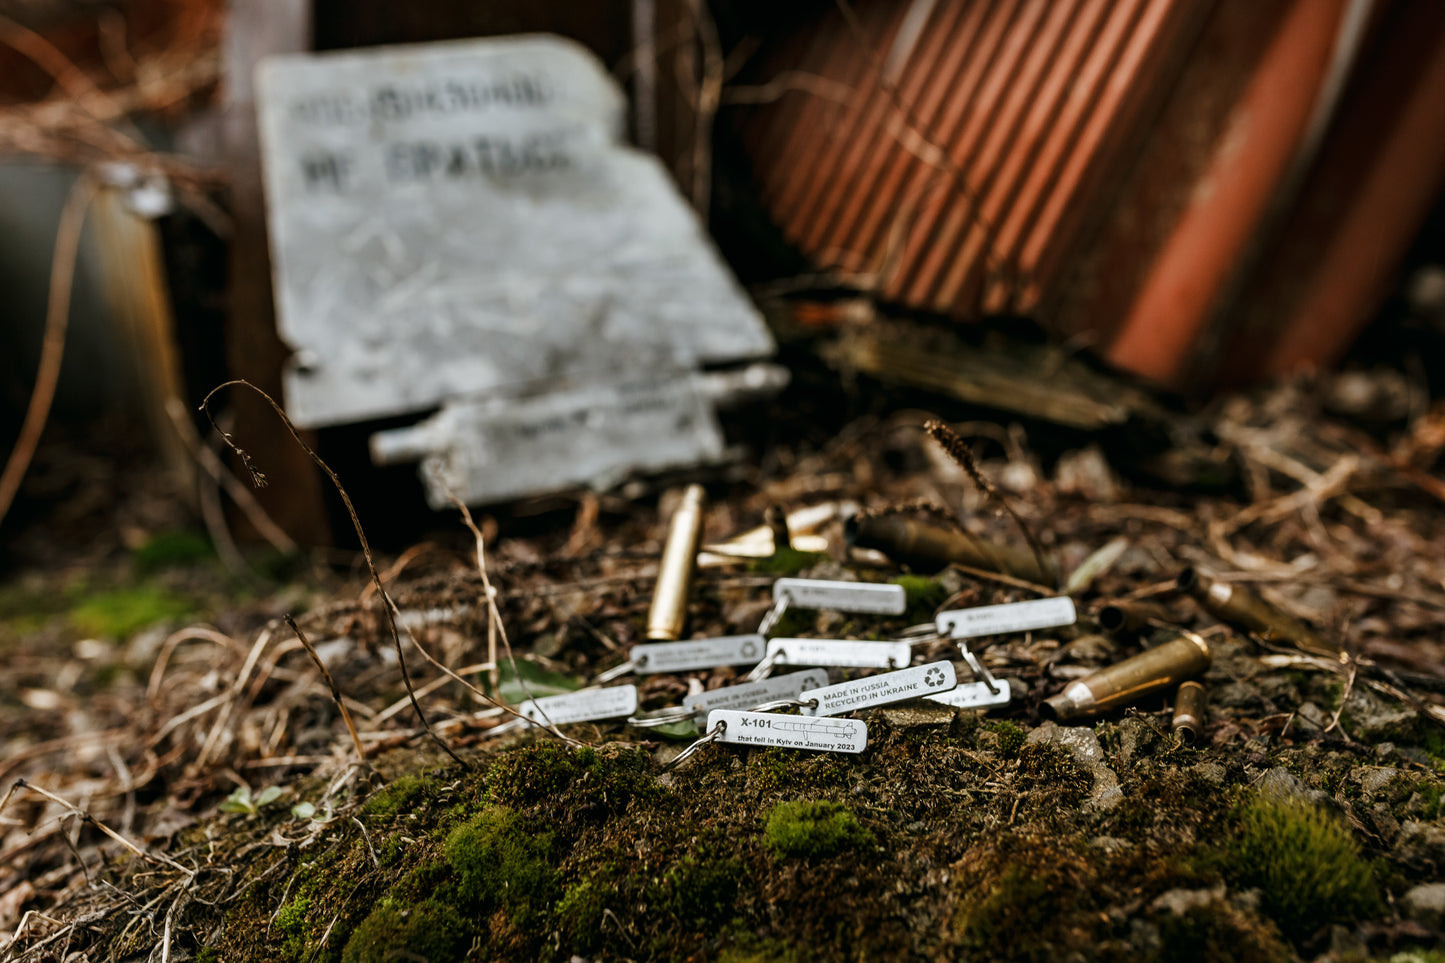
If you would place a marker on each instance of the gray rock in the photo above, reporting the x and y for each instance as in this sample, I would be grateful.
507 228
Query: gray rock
1310 717
1421 843
924 717
1211 772
1425 904
1372 780
1110 845
1280 785
1084 745
1181 901
1135 736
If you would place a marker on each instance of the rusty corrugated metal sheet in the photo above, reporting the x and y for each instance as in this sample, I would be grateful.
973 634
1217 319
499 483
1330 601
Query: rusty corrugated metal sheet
1030 102
1203 191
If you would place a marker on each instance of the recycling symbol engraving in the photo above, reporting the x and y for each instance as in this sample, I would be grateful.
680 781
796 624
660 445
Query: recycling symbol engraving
933 677
750 649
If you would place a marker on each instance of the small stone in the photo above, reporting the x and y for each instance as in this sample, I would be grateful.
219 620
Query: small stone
1311 718
1181 901
1110 845
1280 785
1425 904
1081 741
1211 772
1421 843
928 717
1384 750
1373 780
1135 736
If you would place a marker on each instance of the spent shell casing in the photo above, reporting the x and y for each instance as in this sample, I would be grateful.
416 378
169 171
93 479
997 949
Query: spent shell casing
1129 681
929 548
668 613
1243 609
1131 618
1189 705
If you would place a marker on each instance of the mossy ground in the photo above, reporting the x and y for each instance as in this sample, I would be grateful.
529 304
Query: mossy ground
961 844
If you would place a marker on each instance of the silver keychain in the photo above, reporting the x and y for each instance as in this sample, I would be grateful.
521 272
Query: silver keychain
839 653
877 690
819 734
752 696
689 656
811 593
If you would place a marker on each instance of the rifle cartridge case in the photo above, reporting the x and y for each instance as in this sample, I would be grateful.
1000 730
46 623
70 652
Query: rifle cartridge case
1129 681
668 613
929 548
1243 609
1189 705
1131 618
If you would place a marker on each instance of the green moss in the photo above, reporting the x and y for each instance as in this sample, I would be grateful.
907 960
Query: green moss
580 910
291 918
208 954
1419 956
812 829
786 561
170 550
499 862
601 784
1430 793
1218 933
924 596
1307 867
430 930
762 951
400 795
117 613
1010 737
702 890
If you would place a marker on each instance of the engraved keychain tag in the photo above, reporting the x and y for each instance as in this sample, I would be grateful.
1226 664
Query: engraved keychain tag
974 695
788 732
751 694
810 593
877 690
843 653
697 654
589 704
1010 617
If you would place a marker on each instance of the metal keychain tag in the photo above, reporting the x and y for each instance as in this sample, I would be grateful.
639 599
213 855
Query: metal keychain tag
788 732
583 706
877 690
1010 617
870 597
750 694
974 695
843 653
686 656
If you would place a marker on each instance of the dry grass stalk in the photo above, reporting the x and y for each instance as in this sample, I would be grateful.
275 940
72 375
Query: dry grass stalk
330 684
962 455
389 607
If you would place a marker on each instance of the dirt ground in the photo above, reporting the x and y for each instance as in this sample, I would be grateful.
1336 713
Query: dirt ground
180 784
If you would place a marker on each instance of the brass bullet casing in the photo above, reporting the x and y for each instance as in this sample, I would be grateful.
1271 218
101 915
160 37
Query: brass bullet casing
1123 619
674 576
929 548
1241 608
1129 681
1189 705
